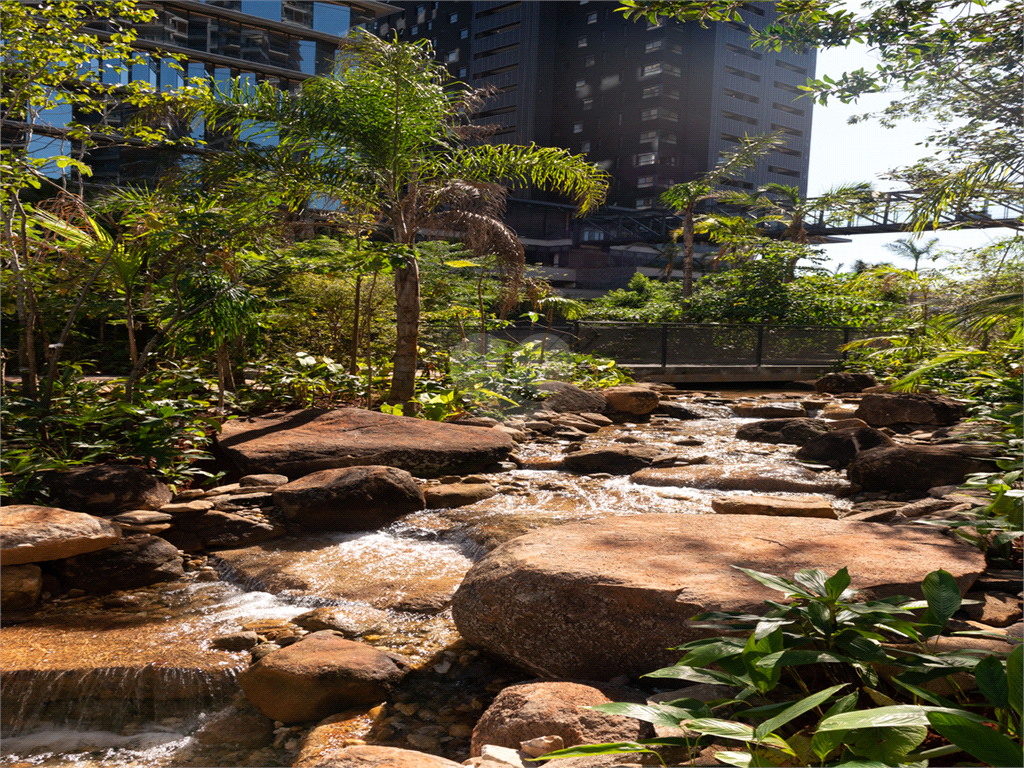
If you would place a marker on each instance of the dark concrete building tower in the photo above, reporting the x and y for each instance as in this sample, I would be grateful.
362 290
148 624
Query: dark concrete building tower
654 104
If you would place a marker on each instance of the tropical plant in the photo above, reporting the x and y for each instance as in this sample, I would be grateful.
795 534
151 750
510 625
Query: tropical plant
907 248
385 135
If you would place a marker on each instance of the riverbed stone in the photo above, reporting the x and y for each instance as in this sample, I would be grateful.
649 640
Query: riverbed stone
563 397
352 621
788 506
597 419
630 399
997 609
298 443
769 410
351 498
457 495
795 431
886 410
321 674
838 411
603 598
782 478
239 728
135 561
690 411
558 708
613 459
20 586
835 383
106 489
33 534
262 480
918 467
838 447
320 752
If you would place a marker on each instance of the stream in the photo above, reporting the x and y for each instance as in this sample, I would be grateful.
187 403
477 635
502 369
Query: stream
141 685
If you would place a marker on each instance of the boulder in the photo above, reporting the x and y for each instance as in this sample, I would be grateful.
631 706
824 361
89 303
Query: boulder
788 506
352 498
635 400
597 419
239 728
837 448
885 410
106 489
918 467
322 750
692 411
565 397
607 597
558 708
351 621
787 431
769 410
300 442
838 411
321 674
20 586
457 495
136 561
835 383
262 480
743 477
33 534
995 609
613 459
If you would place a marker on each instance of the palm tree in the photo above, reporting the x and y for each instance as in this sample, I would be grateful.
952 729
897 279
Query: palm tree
684 198
733 233
905 246
388 133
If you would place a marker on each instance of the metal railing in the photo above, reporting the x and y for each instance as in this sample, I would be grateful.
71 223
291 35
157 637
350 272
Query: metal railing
666 344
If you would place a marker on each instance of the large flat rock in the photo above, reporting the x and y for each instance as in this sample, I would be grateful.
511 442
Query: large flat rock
35 534
602 598
300 442
780 478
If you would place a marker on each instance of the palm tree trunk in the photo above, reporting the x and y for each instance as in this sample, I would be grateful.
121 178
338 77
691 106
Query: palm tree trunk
407 297
688 252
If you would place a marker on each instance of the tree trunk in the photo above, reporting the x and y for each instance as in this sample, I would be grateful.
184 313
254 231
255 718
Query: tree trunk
688 252
407 296
129 315
353 359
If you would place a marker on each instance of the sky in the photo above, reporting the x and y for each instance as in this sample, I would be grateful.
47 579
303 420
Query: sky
842 153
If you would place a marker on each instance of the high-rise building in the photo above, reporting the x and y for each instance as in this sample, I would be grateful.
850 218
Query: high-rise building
653 104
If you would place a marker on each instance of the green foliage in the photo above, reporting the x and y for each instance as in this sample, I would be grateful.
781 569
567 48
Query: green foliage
301 381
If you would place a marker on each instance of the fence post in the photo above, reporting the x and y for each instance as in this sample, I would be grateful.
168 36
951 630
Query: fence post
664 345
760 344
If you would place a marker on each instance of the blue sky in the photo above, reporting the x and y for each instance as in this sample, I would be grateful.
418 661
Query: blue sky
842 153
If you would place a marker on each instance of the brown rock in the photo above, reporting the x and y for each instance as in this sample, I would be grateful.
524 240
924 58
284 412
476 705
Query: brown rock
240 728
262 480
917 467
614 459
769 410
351 621
33 534
742 477
885 410
321 674
845 382
557 708
607 597
848 424
324 752
351 499
136 561
691 411
787 506
568 398
20 586
597 419
785 431
300 442
838 411
995 609
627 399
106 489
457 495
236 641
838 447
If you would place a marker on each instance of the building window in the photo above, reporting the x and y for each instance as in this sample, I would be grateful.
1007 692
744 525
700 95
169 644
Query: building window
652 46
668 138
739 118
672 93
731 138
649 114
675 48
783 171
790 110
464 33
589 61
648 137
420 9
644 202
452 56
584 147
788 87
646 158
650 69
415 30
790 67
577 128
787 130
672 69
463 71
592 18
588 104
580 84
651 91
735 183
741 96
669 160
790 152
645 181
453 18
743 51
669 114
581 42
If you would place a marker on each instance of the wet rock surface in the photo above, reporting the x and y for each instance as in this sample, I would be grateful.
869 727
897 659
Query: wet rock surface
790 431
457 495
737 477
34 534
330 755
136 561
918 467
615 460
886 410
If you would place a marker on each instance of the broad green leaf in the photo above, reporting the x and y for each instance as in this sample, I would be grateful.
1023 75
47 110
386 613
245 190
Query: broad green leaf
712 652
657 714
888 745
813 579
766 627
846 704
943 596
991 679
825 742
925 694
741 759
691 705
1013 677
880 698
794 711
709 676
589 750
764 678
836 585
821 617
798 658
775 582
888 717
729 729
860 648
977 740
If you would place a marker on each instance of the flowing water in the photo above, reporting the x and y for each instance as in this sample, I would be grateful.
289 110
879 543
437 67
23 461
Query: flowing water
129 679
